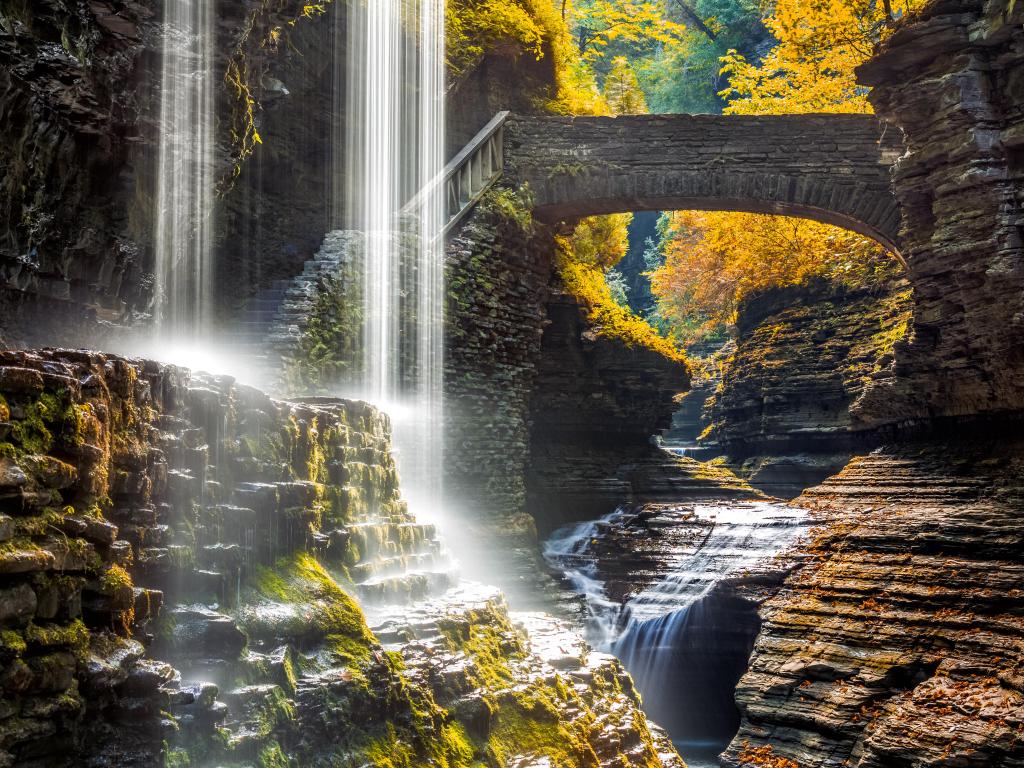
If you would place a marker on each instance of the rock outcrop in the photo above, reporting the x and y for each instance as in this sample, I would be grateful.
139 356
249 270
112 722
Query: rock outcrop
950 78
803 355
177 571
594 409
70 119
897 643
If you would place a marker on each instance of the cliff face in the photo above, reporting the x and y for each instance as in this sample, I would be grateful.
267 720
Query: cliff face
69 118
897 643
177 562
950 78
79 115
803 355
498 273
595 408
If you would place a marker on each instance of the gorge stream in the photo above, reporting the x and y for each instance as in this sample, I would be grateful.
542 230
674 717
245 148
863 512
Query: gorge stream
679 628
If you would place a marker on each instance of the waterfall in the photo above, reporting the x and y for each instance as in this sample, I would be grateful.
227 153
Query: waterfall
185 175
394 101
675 636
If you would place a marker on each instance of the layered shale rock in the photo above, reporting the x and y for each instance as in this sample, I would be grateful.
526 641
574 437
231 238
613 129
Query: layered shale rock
804 354
79 115
69 120
595 407
179 559
951 78
898 642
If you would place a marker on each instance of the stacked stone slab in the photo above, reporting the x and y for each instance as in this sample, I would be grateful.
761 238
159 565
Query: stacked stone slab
141 506
831 168
897 642
950 79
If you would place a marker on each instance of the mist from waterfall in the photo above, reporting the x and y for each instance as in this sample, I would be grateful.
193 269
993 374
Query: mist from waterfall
393 97
185 175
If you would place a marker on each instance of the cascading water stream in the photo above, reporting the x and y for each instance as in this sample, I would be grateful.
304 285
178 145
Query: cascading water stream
185 175
394 99
673 636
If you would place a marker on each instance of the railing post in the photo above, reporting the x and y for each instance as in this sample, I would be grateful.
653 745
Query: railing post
468 175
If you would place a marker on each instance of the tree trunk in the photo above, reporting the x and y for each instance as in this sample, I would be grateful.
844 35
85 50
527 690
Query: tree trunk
694 20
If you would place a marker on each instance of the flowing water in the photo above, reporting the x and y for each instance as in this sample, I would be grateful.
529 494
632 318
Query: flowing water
185 176
670 635
394 152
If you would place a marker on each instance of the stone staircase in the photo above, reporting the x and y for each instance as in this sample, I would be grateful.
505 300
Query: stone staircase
251 331
274 322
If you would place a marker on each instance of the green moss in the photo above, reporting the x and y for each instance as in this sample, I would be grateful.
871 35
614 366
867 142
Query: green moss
32 432
13 642
40 525
74 636
271 756
486 646
276 712
176 758
328 611
114 579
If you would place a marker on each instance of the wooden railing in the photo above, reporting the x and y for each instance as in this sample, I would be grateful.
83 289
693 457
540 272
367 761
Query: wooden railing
467 176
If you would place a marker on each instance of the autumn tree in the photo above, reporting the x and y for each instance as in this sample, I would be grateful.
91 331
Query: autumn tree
711 260
601 23
811 69
622 90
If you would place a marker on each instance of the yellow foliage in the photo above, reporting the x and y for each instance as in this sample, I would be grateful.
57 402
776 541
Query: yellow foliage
514 28
602 22
601 241
476 27
584 277
812 67
622 89
713 259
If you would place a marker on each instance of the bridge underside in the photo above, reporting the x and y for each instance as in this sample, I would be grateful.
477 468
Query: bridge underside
828 168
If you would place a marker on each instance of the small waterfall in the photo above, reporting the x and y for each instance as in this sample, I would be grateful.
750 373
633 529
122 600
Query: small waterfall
684 643
185 176
394 153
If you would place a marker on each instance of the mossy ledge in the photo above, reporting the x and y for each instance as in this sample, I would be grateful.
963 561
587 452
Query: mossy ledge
179 561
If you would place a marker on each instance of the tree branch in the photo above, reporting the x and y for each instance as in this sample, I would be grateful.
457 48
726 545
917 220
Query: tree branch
691 16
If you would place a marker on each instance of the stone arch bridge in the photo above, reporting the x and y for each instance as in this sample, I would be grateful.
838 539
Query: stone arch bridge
829 168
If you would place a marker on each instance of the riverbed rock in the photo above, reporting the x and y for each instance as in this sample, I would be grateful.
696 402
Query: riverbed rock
897 641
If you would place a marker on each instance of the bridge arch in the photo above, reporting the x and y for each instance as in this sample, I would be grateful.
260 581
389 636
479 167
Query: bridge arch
829 168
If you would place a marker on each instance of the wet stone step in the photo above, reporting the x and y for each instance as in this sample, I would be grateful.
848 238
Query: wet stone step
405 588
393 566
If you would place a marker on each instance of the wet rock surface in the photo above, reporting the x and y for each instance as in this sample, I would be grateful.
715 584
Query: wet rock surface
499 671
178 578
897 642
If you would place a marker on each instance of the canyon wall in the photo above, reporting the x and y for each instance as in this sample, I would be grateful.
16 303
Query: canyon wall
803 355
70 115
952 79
80 116
895 639
177 566
896 642
595 409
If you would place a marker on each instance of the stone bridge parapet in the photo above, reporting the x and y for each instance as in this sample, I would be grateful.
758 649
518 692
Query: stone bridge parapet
830 168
